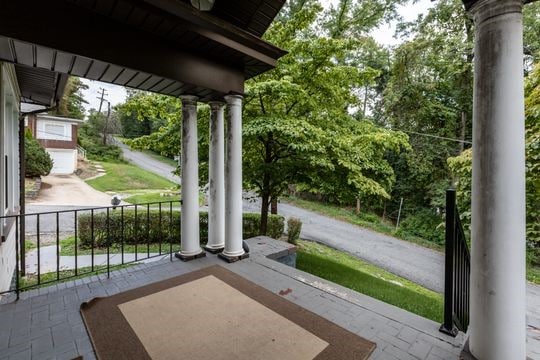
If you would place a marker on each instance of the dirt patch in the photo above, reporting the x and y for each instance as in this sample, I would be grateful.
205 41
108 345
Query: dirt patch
86 169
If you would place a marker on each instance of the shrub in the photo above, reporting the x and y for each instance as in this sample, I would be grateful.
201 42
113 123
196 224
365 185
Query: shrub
38 162
294 227
424 224
146 227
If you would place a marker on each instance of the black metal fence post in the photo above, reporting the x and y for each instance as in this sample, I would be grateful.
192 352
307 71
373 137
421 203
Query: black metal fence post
454 272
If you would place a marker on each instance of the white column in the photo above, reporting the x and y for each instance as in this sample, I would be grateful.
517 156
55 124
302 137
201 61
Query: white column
233 181
190 181
497 321
216 180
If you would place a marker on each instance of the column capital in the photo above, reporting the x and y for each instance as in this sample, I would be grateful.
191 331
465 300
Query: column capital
233 99
482 10
189 99
216 105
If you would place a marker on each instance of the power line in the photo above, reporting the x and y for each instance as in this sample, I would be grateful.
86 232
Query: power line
436 137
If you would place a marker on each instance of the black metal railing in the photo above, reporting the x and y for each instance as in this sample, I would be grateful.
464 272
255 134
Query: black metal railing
66 244
457 271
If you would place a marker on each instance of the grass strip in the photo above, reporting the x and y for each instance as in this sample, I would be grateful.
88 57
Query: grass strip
348 271
124 177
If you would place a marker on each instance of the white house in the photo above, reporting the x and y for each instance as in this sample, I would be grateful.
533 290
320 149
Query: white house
58 135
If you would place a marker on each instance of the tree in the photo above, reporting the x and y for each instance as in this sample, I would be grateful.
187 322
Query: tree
72 102
297 127
429 92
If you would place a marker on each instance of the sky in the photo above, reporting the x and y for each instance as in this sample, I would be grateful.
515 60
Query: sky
384 35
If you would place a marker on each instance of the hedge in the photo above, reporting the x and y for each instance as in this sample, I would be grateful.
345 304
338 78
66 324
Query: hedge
136 231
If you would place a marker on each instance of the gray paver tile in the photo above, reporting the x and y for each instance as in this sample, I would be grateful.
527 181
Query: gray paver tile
22 355
391 339
408 335
41 345
399 353
420 349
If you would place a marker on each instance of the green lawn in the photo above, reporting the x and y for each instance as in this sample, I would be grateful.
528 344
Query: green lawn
367 220
124 177
152 196
348 271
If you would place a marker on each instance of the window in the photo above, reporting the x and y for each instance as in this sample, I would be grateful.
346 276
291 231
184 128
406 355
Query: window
54 131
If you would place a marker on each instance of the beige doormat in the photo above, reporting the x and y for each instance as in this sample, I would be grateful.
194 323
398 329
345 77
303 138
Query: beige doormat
213 314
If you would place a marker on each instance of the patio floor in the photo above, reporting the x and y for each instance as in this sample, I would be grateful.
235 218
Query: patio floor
46 323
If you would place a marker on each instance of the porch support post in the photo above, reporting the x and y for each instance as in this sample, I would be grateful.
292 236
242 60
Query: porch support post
190 244
216 180
233 182
497 326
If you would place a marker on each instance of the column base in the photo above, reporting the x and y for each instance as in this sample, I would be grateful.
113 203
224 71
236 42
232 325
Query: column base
451 332
465 353
213 250
231 259
183 257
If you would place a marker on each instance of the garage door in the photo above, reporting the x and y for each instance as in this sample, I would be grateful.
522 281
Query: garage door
63 161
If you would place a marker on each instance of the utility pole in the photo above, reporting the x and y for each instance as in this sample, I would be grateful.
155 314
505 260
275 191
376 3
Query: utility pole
101 98
106 127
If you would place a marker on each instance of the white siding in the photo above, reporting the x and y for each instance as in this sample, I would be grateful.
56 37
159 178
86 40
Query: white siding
9 170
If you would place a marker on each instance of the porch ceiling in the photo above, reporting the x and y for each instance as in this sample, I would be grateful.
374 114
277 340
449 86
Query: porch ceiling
164 46
39 86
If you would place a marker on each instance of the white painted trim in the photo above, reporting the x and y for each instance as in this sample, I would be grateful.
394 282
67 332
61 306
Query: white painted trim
12 77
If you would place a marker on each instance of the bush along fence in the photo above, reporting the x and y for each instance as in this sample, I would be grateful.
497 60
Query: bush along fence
88 241
144 225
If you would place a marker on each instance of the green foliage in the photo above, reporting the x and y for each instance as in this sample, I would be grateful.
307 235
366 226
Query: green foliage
143 113
148 227
461 166
297 126
37 161
429 91
424 224
164 112
72 102
294 228
90 137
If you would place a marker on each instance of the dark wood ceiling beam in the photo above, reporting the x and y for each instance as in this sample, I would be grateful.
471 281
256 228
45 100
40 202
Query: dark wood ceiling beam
218 30
66 27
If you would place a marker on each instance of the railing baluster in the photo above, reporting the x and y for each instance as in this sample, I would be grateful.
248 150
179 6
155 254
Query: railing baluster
38 240
17 262
148 230
57 246
122 233
170 231
160 230
108 244
92 236
136 230
76 249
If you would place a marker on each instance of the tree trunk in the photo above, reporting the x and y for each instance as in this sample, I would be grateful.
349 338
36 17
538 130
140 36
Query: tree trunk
264 214
357 206
273 206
